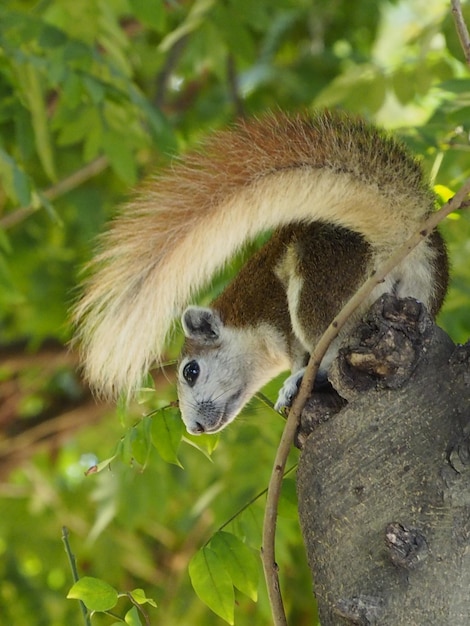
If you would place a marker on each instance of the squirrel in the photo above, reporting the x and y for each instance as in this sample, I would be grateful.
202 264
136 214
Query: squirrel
340 195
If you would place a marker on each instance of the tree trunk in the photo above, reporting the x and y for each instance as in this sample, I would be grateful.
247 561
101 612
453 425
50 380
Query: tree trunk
384 484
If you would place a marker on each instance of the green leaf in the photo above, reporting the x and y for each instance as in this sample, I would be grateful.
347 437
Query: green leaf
166 431
161 130
212 583
96 594
194 19
444 193
450 32
32 85
135 445
120 156
141 442
150 12
95 469
404 86
456 85
51 37
95 88
235 33
132 617
204 443
138 595
15 181
288 499
49 207
240 562
125 449
77 128
361 87
5 244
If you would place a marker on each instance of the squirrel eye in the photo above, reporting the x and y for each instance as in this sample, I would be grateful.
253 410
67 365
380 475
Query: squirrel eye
191 372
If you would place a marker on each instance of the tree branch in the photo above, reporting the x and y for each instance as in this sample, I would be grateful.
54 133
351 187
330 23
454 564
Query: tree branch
462 30
163 77
274 488
233 87
73 567
62 187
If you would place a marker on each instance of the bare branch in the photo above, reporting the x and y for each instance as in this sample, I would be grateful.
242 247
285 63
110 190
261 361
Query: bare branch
461 28
59 189
163 77
274 488
233 87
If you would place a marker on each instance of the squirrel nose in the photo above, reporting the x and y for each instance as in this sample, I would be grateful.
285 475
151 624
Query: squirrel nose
199 428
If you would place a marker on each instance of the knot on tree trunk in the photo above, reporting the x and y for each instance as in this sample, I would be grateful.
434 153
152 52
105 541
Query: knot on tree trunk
383 480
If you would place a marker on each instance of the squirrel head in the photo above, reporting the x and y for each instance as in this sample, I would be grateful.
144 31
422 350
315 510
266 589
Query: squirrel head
220 369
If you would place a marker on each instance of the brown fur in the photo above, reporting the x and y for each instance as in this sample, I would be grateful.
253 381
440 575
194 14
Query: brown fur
186 223
323 256
441 272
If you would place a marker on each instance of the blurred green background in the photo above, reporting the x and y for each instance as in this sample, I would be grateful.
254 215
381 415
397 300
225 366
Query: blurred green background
94 96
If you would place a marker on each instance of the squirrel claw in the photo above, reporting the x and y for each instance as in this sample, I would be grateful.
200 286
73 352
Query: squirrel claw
288 392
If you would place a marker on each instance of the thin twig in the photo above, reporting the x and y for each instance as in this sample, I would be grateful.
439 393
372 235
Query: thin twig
164 76
89 411
59 189
233 87
140 609
274 488
246 506
462 30
73 567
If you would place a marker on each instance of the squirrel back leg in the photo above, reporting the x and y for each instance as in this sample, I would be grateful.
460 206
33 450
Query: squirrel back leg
318 277
310 263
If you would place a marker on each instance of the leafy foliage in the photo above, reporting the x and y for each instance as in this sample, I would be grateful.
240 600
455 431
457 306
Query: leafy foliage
99 597
219 567
96 594
94 96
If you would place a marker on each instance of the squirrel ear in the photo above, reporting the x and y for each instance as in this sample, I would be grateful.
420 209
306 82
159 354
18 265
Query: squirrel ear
201 324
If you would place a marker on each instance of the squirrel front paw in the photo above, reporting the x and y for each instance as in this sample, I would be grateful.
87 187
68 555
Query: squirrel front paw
288 391
291 386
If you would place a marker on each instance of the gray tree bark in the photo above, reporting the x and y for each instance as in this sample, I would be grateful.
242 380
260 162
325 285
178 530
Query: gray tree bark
384 476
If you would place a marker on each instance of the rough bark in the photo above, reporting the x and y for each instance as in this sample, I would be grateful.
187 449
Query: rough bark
384 482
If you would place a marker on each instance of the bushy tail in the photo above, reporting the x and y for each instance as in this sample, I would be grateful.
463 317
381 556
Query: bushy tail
183 226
